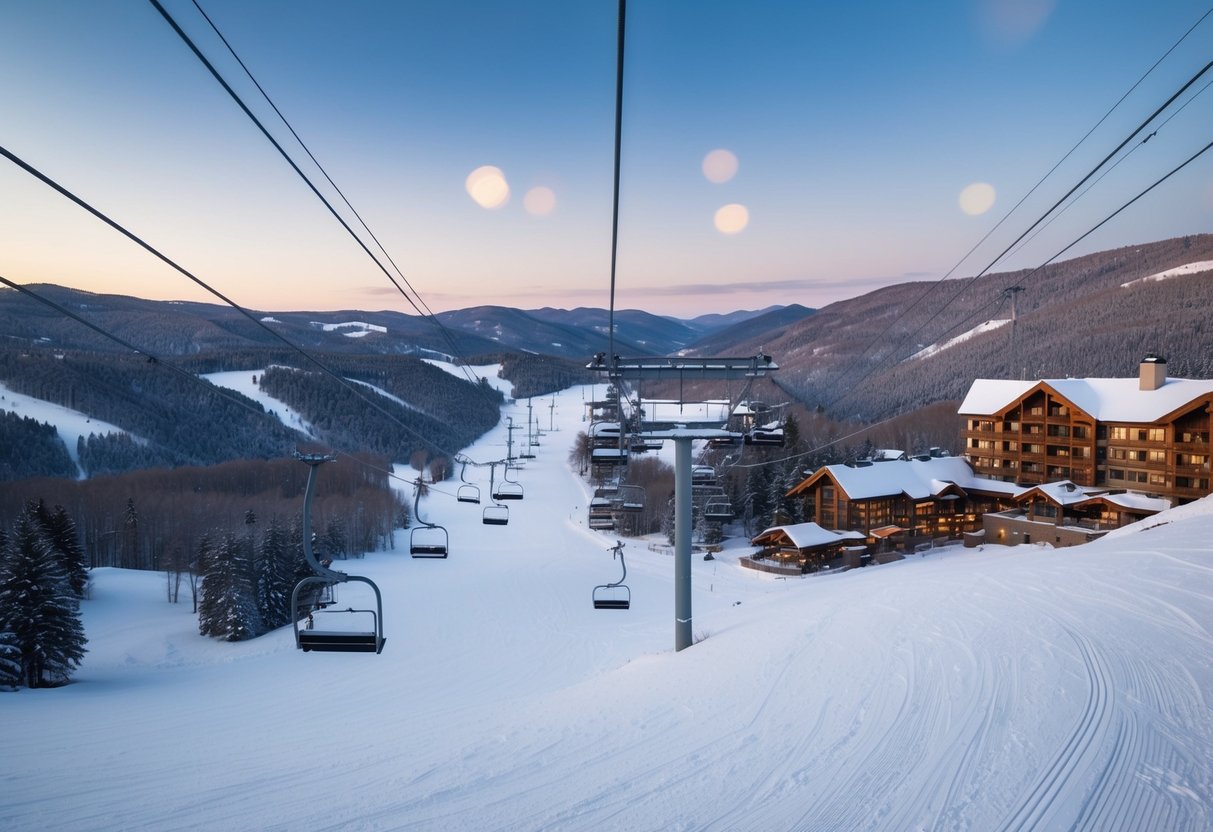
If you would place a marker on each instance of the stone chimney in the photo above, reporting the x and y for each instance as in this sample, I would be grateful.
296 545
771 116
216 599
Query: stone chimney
1153 372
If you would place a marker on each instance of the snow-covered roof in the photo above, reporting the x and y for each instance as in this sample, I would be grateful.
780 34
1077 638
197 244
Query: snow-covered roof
918 479
887 454
805 535
1062 492
1105 399
1135 501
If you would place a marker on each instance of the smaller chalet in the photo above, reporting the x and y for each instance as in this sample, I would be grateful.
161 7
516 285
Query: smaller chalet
903 501
1065 514
804 547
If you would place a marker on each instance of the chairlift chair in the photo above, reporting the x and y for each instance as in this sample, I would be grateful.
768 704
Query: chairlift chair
429 540
496 514
309 638
631 499
772 436
362 640
467 492
615 595
718 511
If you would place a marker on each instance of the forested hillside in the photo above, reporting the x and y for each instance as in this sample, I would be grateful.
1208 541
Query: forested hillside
537 375
31 449
443 413
1075 318
173 419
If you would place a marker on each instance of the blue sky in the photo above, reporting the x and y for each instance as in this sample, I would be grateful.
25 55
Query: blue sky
855 128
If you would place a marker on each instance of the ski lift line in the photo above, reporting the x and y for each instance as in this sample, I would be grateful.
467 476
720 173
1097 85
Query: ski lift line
1082 236
240 102
843 375
620 30
1114 166
37 174
966 284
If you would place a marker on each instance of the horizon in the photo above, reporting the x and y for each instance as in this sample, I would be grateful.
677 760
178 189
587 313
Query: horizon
771 155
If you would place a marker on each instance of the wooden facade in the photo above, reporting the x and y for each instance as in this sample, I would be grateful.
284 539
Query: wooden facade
924 498
1043 436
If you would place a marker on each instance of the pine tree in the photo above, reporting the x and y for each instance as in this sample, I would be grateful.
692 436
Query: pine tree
228 609
59 528
276 576
38 607
10 660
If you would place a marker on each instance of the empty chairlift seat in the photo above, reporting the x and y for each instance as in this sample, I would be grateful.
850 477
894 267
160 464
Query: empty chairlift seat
615 595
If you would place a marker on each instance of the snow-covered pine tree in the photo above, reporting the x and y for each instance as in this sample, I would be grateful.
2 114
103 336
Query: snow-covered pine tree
228 608
38 607
10 660
60 530
276 576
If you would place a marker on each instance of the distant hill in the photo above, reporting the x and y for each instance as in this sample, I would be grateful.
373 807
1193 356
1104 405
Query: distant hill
1095 316
183 328
769 324
888 352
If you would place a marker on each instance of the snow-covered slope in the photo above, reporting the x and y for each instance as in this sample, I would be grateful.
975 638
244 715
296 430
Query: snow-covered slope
71 424
1000 689
242 382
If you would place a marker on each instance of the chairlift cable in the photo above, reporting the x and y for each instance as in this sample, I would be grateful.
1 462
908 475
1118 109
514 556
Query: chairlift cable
846 371
966 284
37 174
1062 251
417 295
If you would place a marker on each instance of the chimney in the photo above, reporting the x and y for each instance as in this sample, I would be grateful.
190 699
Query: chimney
1153 372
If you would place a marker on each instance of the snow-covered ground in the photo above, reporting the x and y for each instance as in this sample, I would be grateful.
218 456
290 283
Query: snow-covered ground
1003 689
242 382
71 424
1178 271
987 326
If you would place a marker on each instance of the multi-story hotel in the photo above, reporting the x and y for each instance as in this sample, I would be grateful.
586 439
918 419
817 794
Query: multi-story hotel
1149 434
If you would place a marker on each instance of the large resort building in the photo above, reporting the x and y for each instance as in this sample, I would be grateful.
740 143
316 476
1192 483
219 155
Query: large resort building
1057 461
1149 434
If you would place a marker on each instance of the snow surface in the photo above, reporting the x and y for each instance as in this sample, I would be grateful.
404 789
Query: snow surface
71 424
1178 271
486 371
357 329
988 326
1003 688
242 382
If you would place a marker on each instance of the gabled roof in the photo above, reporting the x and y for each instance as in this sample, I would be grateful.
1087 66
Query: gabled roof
1132 501
803 536
918 479
1060 493
1105 399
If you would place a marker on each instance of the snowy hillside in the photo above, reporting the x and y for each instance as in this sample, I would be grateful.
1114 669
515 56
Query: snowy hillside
1004 689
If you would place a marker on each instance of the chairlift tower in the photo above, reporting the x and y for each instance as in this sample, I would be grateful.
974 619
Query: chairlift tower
682 433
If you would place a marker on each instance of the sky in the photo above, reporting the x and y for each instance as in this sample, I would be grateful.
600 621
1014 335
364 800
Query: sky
772 152
995 688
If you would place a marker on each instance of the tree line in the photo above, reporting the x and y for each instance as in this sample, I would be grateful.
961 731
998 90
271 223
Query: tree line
31 449
155 519
171 420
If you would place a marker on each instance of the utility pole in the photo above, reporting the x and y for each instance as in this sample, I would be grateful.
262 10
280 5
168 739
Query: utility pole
1012 292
